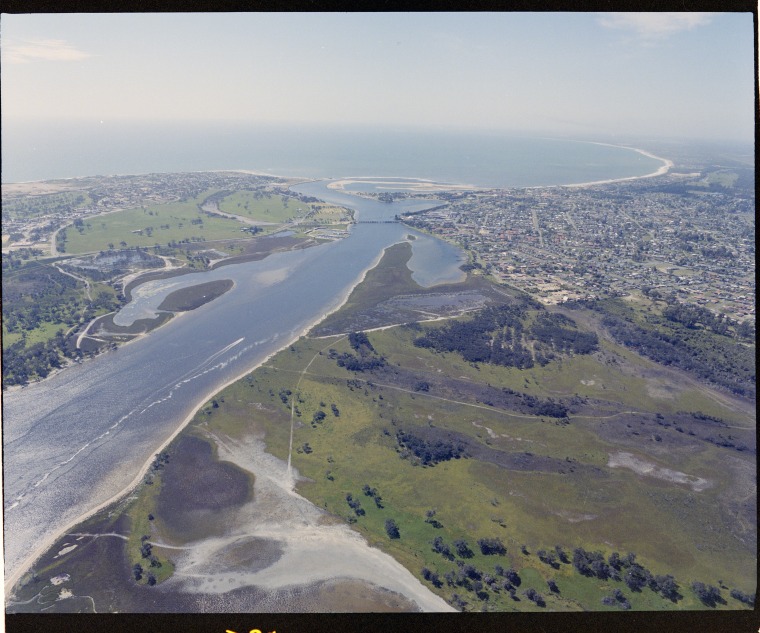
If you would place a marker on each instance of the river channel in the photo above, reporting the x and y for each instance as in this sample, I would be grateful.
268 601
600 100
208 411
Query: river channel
78 438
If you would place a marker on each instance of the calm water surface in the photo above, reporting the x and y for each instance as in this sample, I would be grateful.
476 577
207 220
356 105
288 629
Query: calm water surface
42 151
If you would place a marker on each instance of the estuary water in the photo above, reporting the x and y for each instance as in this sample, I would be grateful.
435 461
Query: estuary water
81 436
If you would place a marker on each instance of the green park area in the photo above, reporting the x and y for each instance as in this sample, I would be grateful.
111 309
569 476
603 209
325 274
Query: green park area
263 207
147 226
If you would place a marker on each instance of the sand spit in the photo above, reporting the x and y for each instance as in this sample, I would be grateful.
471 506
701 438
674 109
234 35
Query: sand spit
648 469
429 186
311 546
667 164
416 186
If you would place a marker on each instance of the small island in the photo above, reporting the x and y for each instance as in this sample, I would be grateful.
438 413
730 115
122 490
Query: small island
186 299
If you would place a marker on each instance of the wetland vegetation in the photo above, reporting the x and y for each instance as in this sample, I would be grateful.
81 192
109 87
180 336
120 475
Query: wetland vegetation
592 479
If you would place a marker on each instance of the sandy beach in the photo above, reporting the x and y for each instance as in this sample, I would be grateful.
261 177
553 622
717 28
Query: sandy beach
415 186
666 166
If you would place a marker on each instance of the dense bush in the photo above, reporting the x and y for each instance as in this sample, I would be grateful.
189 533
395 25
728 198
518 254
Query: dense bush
391 529
429 452
492 546
708 595
354 363
553 330
708 356
743 597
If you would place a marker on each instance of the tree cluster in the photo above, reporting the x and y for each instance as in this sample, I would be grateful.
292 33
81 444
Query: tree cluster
493 336
707 594
374 494
694 316
431 577
527 403
430 518
429 453
616 599
442 548
37 296
489 546
353 363
746 598
355 505
21 364
535 597
496 335
697 351
561 334
359 341
463 548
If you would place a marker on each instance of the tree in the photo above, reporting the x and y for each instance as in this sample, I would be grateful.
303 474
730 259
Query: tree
492 546
666 586
513 577
392 529
535 597
637 577
743 597
441 547
708 594
463 549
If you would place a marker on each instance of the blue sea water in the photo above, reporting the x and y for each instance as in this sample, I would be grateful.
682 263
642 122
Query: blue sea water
55 150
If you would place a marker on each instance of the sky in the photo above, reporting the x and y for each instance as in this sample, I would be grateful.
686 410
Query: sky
687 75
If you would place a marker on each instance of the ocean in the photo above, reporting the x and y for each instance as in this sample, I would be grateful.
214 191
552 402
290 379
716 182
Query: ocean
53 150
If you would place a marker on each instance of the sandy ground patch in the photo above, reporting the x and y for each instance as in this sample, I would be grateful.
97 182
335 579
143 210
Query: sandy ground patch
306 545
66 550
38 188
418 186
656 389
575 517
648 469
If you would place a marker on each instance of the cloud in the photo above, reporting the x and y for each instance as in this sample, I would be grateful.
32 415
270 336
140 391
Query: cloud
654 26
46 50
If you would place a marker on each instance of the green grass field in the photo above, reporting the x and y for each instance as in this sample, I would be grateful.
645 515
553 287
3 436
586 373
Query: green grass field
145 227
614 511
263 207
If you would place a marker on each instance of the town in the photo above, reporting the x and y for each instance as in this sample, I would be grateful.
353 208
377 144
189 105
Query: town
654 238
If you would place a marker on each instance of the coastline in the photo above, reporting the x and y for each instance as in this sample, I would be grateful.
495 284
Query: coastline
664 169
11 580
417 184
422 185
413 185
